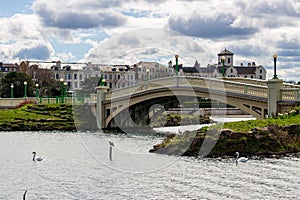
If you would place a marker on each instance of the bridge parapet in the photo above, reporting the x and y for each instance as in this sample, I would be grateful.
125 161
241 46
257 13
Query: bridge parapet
192 82
244 87
290 94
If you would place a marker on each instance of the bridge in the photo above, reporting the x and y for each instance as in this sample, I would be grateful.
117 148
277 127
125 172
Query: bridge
135 105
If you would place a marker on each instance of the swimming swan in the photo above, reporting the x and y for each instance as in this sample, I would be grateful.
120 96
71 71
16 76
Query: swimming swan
241 159
36 159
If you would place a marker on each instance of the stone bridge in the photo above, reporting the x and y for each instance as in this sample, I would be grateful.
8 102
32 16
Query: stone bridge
133 106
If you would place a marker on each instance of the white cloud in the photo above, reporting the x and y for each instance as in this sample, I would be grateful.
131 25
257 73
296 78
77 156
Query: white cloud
138 29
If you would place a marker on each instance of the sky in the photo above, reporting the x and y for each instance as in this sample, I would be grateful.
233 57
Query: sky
126 32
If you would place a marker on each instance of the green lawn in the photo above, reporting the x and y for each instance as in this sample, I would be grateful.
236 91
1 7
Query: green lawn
10 114
245 126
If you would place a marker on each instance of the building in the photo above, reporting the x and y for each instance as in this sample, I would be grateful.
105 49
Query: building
251 70
151 70
8 67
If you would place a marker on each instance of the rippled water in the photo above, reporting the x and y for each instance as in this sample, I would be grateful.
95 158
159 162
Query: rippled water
77 166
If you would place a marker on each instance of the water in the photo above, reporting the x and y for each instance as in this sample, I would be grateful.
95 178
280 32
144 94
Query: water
77 166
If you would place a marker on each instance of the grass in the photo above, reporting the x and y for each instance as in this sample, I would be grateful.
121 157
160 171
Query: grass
246 126
21 113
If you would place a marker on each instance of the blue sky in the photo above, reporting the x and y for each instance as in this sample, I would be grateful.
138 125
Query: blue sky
125 32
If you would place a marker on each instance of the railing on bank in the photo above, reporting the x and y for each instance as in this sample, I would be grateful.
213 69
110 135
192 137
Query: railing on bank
14 102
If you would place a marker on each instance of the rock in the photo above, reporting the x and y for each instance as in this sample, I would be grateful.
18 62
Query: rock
273 128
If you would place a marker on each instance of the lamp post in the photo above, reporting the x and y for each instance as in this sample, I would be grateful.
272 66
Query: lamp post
25 89
37 91
176 58
12 90
223 67
275 60
103 82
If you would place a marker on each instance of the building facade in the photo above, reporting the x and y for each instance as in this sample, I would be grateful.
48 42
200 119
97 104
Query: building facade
251 70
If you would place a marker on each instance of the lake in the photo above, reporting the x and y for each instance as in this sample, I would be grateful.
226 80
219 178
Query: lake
76 165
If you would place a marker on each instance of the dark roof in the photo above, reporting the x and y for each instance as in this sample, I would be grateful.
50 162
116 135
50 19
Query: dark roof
225 52
240 70
220 68
245 70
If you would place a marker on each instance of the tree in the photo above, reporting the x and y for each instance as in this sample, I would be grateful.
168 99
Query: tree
89 85
17 79
49 88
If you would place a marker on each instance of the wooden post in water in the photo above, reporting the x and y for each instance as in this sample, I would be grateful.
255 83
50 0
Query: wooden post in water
111 144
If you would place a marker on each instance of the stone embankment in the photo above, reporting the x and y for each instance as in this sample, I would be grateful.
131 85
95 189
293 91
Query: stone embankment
271 141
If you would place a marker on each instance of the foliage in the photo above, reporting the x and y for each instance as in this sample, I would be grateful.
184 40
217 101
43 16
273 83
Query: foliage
49 88
26 102
89 85
17 79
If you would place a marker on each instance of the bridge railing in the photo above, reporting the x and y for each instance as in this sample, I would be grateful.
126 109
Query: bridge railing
191 81
256 88
151 84
290 94
247 81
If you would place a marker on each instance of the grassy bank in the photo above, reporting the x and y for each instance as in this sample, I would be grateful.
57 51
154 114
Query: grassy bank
273 136
38 117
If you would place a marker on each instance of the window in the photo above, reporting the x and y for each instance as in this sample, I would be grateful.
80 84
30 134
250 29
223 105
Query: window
228 60
245 76
260 77
231 71
56 76
75 77
260 71
69 76
80 76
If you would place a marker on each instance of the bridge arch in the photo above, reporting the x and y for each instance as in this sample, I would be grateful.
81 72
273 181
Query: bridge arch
243 103
252 96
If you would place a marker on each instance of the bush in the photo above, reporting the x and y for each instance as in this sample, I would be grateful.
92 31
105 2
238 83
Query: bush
26 102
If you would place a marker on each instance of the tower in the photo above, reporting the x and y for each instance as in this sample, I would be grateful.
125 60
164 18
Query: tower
228 58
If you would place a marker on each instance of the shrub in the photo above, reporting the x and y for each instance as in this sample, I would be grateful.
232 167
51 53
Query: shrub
26 102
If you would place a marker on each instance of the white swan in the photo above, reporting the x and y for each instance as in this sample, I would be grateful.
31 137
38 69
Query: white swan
36 159
241 159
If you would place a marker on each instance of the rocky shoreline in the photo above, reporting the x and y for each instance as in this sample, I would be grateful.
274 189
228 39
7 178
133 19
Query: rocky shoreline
271 141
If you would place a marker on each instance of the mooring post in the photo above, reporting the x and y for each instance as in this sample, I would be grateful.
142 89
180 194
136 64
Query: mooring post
111 144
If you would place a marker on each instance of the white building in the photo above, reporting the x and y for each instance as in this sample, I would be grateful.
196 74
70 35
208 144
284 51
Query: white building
151 70
251 70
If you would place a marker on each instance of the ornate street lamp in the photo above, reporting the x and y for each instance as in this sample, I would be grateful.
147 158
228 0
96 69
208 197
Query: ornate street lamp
275 60
12 90
37 91
176 58
25 89
223 67
103 82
